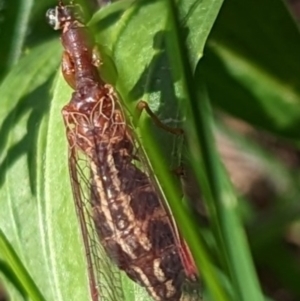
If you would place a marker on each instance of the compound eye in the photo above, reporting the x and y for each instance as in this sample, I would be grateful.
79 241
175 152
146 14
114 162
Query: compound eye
53 19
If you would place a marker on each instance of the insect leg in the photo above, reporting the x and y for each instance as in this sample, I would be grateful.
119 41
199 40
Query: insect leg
143 105
67 69
97 62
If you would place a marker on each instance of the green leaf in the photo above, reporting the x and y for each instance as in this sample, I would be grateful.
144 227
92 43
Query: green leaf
25 99
15 271
38 216
252 66
14 19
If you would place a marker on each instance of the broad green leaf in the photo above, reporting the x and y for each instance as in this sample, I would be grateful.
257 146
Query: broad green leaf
38 216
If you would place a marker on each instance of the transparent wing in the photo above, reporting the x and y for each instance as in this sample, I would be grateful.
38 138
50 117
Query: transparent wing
104 278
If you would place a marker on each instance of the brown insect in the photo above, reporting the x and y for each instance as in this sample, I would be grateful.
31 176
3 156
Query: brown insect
120 207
